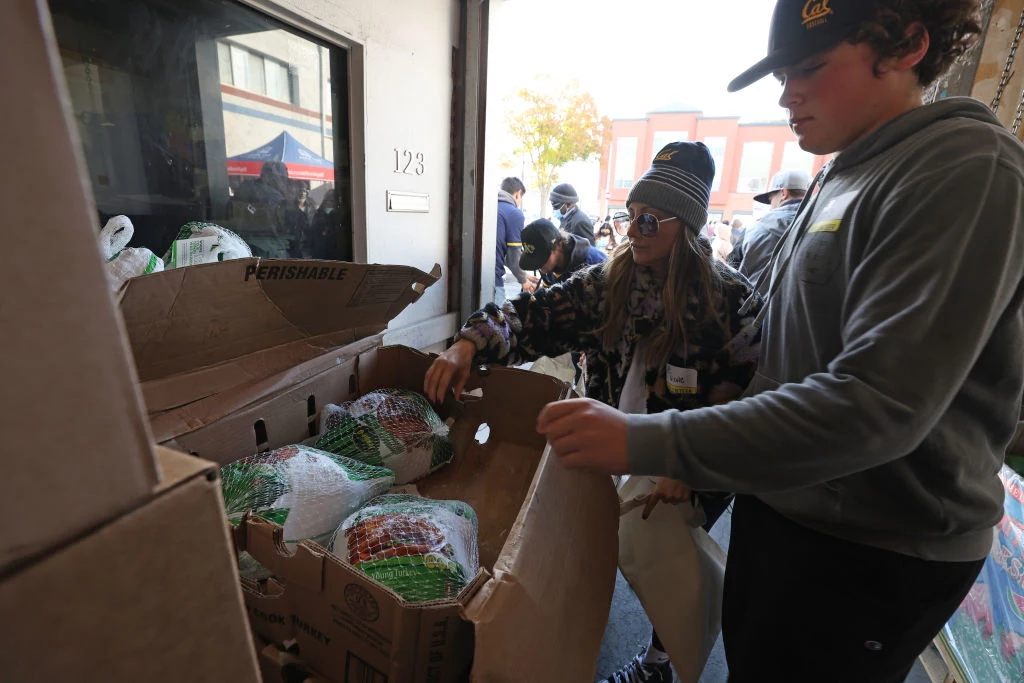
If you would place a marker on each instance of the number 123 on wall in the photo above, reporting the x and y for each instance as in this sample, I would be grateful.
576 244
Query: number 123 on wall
408 163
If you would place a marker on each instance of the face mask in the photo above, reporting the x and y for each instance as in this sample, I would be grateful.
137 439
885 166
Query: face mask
602 242
559 214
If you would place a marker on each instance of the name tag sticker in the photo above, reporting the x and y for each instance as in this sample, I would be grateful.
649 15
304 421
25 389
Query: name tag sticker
680 380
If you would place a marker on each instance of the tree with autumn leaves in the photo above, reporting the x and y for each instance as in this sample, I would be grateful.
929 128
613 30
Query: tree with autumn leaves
554 126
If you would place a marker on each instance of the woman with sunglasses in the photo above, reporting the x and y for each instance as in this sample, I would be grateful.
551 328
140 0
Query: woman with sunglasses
659 323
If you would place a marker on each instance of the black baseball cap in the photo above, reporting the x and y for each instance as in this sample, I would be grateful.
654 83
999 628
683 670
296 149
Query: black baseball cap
804 28
539 239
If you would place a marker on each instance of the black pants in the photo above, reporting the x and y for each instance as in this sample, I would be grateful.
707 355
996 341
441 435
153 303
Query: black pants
803 606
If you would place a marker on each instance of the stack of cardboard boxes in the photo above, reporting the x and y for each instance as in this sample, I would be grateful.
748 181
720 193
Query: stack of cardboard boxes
115 563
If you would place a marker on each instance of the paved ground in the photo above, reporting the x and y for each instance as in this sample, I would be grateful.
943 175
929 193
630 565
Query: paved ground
628 629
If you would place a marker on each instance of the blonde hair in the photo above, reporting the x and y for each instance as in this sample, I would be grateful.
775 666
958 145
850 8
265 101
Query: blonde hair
691 271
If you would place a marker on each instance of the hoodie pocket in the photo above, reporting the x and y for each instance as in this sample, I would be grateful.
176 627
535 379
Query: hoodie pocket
818 257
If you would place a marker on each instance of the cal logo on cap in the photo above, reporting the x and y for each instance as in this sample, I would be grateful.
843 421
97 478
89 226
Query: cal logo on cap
816 13
528 248
665 156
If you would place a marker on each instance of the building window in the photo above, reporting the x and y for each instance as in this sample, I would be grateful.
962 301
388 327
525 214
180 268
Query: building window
794 158
755 167
625 162
663 137
166 143
717 148
243 68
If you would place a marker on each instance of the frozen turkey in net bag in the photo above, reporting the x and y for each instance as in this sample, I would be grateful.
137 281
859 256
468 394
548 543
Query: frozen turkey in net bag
420 548
305 490
393 428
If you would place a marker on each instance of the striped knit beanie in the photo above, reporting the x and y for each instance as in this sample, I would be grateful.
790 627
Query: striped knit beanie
678 183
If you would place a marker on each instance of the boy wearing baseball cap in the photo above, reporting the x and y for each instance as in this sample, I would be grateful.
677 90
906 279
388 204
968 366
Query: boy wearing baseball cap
866 450
556 254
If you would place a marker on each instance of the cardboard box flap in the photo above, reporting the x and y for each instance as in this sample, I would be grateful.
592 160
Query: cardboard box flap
199 330
178 467
209 410
522 609
264 540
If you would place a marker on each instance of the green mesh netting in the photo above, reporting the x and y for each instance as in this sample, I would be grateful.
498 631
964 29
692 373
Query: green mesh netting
420 548
305 490
393 428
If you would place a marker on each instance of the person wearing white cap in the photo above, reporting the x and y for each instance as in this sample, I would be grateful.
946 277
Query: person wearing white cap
784 194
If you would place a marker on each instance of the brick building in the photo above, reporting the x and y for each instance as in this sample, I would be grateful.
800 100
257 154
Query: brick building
746 156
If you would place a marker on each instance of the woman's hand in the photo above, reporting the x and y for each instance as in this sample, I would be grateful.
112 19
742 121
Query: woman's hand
669 490
450 369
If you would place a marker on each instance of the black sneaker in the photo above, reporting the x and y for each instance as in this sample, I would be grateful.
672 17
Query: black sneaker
638 672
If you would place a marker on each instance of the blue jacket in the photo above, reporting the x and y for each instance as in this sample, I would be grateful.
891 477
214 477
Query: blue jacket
759 241
579 255
509 239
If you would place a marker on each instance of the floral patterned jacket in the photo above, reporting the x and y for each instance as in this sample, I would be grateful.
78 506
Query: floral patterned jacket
564 317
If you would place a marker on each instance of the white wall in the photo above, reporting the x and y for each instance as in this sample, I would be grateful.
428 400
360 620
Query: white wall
406 54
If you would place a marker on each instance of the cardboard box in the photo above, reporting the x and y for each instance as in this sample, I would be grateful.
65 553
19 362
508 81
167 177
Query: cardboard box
547 541
152 596
76 443
241 356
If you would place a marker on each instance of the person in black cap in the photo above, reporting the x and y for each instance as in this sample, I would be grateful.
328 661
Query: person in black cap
867 448
659 323
557 255
565 204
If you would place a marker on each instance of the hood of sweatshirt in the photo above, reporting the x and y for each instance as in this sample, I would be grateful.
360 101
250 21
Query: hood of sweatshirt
904 125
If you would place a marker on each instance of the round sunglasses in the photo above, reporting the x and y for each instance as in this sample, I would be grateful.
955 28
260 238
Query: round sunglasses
648 224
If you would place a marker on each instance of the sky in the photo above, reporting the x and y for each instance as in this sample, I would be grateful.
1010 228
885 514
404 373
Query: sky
639 55
633 56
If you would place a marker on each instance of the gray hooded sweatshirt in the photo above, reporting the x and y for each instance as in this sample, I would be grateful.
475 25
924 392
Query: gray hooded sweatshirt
892 355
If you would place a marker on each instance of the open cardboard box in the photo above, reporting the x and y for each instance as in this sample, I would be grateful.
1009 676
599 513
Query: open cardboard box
547 542
241 356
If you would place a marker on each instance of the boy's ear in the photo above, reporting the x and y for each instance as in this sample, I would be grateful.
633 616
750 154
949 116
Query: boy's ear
917 35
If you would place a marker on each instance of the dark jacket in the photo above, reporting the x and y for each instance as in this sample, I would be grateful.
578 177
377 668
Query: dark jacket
579 254
760 240
578 223
508 245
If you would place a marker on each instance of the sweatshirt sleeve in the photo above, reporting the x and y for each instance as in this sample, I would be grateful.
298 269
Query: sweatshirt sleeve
932 283
552 321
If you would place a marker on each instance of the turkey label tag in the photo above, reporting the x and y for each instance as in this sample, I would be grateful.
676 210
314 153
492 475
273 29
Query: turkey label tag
680 380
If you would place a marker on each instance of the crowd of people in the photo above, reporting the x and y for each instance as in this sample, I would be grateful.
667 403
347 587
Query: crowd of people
848 371
279 218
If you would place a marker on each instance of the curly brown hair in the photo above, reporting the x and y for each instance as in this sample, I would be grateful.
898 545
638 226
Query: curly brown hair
952 25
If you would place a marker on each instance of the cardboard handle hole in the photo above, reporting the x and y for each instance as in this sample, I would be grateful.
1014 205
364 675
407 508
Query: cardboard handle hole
259 428
483 433
311 422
